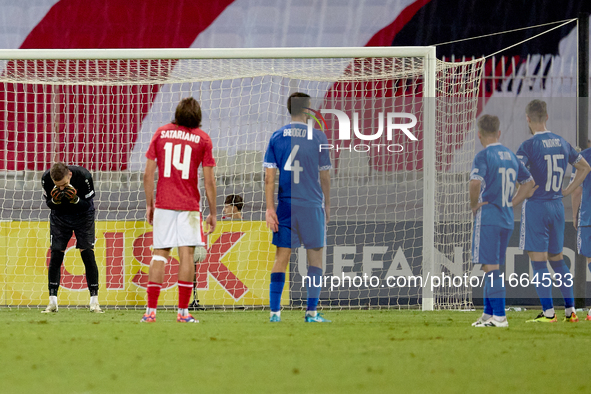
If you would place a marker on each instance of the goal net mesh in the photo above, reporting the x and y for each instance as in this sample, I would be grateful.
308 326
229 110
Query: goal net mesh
101 114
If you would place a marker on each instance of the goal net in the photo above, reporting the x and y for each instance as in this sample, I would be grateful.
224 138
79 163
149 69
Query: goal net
399 201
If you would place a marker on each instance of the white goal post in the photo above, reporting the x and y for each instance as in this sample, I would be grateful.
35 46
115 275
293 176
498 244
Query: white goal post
399 209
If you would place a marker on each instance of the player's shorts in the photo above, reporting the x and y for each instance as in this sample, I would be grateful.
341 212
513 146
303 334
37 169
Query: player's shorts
489 244
300 225
177 228
584 240
542 226
61 228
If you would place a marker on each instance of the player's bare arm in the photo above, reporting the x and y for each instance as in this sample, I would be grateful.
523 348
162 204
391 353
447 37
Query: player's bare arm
325 185
524 191
576 202
271 215
149 189
210 194
474 193
583 169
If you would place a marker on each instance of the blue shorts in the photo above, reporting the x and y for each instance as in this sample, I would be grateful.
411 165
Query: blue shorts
584 240
299 225
489 244
542 226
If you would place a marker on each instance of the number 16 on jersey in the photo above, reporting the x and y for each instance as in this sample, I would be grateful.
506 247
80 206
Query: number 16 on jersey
508 177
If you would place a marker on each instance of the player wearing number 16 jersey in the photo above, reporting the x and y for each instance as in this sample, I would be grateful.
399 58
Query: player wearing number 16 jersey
492 182
547 155
304 201
177 149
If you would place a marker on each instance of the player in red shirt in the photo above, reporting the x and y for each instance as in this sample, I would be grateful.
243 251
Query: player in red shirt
177 149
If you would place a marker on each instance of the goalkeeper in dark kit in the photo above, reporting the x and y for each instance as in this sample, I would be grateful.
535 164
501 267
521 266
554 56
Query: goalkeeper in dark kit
69 193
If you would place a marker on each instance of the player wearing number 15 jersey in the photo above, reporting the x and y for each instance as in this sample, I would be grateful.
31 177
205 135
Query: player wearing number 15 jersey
547 156
492 182
303 201
177 150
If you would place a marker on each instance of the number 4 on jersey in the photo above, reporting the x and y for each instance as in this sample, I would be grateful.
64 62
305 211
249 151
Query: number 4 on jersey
294 165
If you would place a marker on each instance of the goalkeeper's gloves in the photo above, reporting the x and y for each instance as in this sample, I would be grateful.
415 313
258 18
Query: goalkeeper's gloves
71 194
56 195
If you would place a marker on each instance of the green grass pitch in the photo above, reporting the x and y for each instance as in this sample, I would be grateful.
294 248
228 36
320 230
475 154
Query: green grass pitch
369 351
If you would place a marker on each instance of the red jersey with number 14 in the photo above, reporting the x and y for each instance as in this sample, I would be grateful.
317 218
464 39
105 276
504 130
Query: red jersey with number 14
178 151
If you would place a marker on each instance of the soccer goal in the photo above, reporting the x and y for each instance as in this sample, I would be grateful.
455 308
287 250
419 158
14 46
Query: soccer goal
401 132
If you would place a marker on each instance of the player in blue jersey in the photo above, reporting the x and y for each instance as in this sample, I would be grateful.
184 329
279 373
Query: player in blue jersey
303 202
581 199
547 155
495 171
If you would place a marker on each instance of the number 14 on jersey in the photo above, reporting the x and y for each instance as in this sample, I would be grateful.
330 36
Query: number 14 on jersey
172 157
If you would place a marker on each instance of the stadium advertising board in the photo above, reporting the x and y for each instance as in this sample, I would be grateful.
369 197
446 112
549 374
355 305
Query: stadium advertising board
380 264
360 257
235 272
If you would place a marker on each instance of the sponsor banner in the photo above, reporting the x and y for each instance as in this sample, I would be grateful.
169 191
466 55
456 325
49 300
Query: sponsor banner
238 265
240 258
235 272
360 257
355 249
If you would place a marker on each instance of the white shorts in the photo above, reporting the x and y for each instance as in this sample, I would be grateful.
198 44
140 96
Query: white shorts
177 228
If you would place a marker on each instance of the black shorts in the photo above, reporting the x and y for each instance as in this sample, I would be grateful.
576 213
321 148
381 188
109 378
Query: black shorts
61 228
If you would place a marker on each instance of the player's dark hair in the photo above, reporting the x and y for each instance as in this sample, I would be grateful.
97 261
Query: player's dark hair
488 124
297 103
188 113
536 111
58 171
235 200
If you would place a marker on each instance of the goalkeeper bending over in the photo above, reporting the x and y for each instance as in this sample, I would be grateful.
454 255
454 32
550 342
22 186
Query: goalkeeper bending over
69 193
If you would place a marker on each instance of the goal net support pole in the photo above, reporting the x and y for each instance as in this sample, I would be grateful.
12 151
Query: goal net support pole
429 178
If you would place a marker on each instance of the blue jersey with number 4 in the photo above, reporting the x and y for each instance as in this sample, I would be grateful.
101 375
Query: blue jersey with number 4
546 155
299 161
497 168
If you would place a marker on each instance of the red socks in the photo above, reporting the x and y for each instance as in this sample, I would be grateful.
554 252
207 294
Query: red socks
153 294
185 290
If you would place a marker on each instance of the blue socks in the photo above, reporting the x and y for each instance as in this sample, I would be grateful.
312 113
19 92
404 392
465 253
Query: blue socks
561 268
495 293
277 283
315 275
487 305
313 288
544 293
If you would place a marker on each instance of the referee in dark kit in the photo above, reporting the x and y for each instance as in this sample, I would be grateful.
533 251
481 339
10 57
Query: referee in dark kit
69 193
